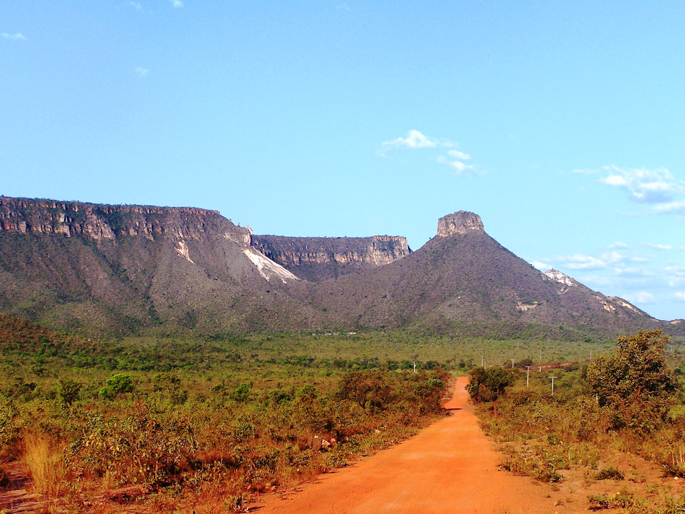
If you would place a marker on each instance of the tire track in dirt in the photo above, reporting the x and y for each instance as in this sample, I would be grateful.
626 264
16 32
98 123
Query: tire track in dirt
448 467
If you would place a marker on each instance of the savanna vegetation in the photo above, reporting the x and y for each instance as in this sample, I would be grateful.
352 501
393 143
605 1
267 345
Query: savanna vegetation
210 423
603 419
193 425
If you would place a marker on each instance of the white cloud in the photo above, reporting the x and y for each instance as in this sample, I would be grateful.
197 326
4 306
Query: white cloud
135 5
618 244
142 72
414 139
680 295
177 3
595 279
456 154
675 207
612 257
580 261
655 186
633 272
641 297
459 167
659 247
16 36
541 265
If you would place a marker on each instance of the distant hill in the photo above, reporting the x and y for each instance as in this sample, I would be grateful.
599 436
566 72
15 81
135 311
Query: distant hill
108 270
464 281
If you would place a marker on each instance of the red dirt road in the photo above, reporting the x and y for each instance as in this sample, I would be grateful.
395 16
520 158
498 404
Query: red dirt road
448 467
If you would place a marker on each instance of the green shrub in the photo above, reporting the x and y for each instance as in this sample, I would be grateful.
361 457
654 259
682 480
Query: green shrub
116 385
486 385
68 391
634 384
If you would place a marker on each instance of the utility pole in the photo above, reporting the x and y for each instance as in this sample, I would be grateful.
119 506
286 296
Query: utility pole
552 384
527 375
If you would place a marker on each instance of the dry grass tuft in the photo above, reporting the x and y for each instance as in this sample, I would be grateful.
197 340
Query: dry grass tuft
45 464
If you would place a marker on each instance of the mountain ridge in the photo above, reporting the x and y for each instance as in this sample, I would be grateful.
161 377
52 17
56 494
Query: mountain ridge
105 269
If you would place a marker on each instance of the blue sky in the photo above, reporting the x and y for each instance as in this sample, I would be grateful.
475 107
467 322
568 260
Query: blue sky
559 123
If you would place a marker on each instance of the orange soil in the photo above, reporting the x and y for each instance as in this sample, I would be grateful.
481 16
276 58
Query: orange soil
448 467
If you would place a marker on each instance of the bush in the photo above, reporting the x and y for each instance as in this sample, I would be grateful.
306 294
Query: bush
116 385
68 391
486 385
634 384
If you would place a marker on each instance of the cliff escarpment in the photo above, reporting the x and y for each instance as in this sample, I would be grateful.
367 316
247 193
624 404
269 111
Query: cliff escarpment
107 269
107 222
112 270
321 258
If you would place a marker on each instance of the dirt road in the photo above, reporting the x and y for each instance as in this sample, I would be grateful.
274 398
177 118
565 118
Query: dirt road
448 467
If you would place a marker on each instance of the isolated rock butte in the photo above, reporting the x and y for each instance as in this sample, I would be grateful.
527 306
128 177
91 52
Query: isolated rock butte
459 223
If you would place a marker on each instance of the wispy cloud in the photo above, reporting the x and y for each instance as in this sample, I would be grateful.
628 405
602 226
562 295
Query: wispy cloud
415 140
676 207
142 72
541 265
16 37
632 271
680 296
459 167
657 187
583 262
653 186
177 3
640 297
618 244
137 6
659 247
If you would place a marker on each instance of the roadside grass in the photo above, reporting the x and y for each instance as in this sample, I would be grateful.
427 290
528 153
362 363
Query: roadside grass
571 438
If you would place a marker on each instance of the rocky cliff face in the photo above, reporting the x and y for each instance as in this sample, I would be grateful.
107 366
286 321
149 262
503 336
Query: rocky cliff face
321 258
459 223
107 222
120 269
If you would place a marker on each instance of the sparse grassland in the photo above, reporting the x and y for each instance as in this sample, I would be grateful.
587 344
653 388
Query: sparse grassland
613 430
209 423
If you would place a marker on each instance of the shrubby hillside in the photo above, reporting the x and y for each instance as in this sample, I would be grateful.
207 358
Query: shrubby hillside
121 270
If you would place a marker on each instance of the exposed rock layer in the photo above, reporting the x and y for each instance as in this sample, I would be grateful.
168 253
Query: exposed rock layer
459 223
321 258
